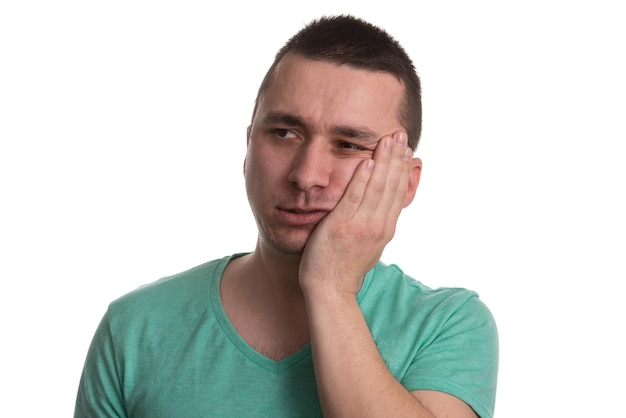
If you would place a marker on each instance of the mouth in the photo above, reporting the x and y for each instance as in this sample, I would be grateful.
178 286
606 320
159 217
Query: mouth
301 216
302 210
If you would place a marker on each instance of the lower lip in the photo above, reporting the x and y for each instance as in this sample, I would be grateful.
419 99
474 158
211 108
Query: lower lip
301 218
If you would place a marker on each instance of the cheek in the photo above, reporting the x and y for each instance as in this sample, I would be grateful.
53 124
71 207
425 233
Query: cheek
261 170
344 171
253 162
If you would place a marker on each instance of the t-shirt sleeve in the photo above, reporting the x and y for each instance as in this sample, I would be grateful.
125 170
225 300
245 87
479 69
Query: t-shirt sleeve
462 356
100 390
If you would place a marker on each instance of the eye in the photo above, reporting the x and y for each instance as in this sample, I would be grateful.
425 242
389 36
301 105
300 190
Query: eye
284 133
350 146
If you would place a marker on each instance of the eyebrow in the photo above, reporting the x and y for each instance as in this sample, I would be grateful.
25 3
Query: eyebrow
284 118
359 133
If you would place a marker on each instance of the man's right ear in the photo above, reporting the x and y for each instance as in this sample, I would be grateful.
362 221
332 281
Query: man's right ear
247 144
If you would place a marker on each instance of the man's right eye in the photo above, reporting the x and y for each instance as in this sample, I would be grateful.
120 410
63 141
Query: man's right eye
283 133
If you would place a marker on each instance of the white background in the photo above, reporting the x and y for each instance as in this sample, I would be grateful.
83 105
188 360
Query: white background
122 127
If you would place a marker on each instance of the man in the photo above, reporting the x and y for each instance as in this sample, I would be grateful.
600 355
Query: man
311 323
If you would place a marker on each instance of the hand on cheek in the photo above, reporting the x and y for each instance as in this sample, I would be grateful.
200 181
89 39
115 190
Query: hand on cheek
351 239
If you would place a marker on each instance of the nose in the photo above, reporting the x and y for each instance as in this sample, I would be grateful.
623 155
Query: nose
312 166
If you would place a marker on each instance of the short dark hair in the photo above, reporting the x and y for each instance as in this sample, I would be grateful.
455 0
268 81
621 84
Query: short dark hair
345 39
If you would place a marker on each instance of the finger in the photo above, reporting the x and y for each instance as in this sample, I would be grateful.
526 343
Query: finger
398 175
389 182
355 191
378 180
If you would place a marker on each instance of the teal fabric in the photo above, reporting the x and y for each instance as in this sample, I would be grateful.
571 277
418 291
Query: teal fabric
167 349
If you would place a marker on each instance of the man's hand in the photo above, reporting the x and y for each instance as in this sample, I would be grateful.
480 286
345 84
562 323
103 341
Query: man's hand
350 240
352 378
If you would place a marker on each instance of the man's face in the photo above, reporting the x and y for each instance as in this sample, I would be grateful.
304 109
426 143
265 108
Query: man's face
315 123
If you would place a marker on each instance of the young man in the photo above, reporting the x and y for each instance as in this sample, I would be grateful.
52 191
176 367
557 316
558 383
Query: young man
311 323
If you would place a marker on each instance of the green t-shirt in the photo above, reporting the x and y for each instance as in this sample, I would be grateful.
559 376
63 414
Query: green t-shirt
168 350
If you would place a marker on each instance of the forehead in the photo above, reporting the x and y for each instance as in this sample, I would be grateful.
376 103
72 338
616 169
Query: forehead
325 94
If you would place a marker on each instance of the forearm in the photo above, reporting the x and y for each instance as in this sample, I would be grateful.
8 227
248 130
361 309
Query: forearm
353 380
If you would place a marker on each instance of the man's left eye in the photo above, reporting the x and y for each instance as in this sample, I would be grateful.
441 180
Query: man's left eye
348 145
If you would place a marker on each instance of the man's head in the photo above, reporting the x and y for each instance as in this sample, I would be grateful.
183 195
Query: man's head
347 40
326 104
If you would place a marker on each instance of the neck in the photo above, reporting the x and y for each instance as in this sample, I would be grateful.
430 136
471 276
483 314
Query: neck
268 276
276 273
261 296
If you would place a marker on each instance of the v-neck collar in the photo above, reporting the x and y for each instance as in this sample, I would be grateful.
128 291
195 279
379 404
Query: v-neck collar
274 366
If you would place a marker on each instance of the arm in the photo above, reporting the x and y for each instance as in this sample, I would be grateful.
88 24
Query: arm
353 379
99 393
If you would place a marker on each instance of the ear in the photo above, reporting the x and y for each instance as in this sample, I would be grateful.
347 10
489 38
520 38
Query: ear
247 144
414 181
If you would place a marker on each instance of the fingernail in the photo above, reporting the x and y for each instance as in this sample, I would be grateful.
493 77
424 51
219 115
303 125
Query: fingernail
401 138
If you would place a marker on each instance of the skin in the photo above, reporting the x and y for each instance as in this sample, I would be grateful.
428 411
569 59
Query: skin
328 172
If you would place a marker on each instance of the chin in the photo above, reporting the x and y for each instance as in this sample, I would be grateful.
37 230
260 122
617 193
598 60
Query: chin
288 248
293 245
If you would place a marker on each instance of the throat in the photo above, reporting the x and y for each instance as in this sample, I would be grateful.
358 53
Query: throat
272 320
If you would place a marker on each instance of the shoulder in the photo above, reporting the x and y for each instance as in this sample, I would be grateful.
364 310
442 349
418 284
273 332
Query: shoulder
400 291
441 339
402 311
168 295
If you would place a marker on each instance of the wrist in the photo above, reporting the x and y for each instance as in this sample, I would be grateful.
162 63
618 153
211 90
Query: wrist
331 288
330 298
